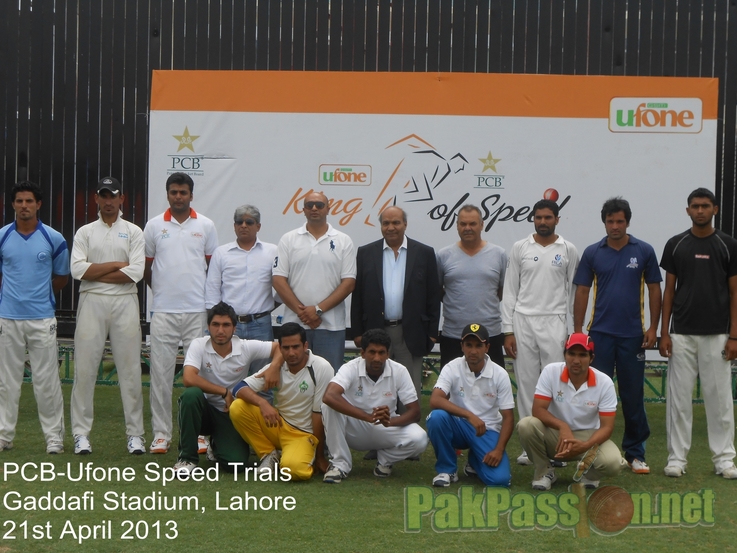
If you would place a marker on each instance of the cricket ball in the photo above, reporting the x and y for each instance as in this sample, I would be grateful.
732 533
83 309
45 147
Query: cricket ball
551 194
610 509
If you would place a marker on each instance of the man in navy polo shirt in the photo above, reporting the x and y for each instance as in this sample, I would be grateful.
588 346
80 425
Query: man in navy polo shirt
620 267
34 262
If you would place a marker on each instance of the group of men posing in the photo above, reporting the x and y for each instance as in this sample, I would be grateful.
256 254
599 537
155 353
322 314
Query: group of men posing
288 410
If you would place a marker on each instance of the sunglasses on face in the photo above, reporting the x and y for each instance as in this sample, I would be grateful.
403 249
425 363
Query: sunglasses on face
313 205
249 222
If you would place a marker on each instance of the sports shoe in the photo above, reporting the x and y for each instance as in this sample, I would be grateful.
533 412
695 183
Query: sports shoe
382 471
524 459
136 445
546 482
82 445
334 475
468 470
269 462
184 468
202 443
159 445
674 471
730 473
639 467
54 447
589 484
444 479
557 463
210 453
5 445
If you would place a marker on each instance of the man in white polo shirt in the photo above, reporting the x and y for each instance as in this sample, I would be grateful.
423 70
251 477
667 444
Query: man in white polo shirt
240 275
473 408
572 414
360 410
214 365
314 272
291 434
179 243
108 258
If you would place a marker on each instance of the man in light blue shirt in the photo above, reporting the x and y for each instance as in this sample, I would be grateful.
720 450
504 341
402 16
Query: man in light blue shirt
34 262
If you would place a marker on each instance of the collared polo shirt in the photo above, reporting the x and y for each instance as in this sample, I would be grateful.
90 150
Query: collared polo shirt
484 395
394 269
360 390
618 279
97 242
225 371
298 396
179 252
581 408
314 269
28 263
241 278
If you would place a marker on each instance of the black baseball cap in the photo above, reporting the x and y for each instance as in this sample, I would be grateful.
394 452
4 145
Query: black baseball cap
475 329
109 183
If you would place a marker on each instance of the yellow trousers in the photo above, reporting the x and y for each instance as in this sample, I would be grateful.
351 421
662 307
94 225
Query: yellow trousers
297 447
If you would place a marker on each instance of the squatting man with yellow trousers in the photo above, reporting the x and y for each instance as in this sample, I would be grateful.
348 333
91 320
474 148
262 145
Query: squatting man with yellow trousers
289 436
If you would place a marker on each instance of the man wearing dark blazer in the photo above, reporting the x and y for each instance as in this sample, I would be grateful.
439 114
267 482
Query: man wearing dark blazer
397 289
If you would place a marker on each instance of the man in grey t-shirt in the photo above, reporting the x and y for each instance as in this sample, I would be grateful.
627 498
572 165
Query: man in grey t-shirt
471 273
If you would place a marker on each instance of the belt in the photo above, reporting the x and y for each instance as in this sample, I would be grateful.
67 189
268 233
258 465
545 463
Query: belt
251 318
393 322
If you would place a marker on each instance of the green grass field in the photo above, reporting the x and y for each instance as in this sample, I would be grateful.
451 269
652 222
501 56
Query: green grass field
361 514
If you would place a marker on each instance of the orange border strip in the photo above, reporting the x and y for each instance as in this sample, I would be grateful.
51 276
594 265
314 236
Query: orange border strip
416 93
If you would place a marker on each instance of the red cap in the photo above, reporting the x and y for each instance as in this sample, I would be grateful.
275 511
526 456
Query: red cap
580 339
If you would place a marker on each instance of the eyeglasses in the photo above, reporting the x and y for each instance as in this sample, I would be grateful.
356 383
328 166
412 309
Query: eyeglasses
249 222
312 205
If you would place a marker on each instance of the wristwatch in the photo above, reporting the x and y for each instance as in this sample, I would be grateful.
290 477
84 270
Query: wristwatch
318 311
225 394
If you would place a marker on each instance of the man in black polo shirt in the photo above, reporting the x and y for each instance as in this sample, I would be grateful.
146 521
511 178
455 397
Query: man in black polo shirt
700 339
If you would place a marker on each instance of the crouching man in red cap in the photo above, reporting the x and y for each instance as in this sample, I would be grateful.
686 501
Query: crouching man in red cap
572 419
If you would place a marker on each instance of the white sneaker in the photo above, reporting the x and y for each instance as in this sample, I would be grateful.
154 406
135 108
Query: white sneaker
210 454
469 471
674 471
136 445
269 462
5 445
730 473
202 443
334 475
524 459
589 484
444 479
546 482
183 469
639 467
382 471
54 447
159 445
82 445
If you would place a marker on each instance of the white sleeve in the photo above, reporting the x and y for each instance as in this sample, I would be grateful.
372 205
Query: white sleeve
136 254
444 381
212 240
511 289
323 375
194 353
504 396
213 284
405 388
348 268
149 237
543 387
79 263
281 263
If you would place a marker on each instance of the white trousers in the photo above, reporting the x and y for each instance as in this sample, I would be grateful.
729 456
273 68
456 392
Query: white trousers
39 336
392 444
700 356
540 341
167 330
100 316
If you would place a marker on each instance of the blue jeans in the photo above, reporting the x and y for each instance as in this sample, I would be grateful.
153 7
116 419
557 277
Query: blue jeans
627 355
260 329
448 433
329 344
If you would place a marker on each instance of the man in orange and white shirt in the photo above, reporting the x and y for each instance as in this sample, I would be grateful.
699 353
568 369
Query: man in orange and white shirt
572 412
